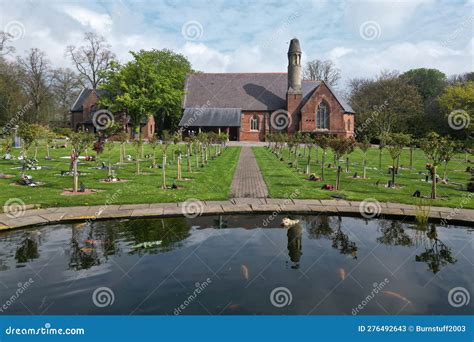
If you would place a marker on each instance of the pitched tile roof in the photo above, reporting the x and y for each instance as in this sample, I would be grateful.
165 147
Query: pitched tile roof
248 91
77 106
211 117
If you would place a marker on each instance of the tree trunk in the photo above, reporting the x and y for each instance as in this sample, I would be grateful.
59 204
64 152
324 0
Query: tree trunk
393 173
163 172
347 164
196 153
308 166
189 158
364 169
323 157
433 182
178 167
338 178
380 158
75 175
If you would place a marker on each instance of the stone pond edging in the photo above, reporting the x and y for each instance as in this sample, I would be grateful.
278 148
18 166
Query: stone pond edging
233 206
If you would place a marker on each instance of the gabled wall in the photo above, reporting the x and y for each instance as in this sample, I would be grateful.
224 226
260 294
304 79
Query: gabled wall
338 118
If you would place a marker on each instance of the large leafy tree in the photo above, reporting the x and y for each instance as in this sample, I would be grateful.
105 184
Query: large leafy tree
385 105
457 105
151 84
12 99
430 83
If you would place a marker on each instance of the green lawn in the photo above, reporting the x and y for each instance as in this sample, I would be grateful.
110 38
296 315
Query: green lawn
282 180
211 182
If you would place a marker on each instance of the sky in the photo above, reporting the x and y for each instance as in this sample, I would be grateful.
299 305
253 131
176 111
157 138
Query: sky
360 37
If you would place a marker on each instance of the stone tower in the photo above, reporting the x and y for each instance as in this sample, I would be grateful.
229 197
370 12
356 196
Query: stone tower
294 67
294 94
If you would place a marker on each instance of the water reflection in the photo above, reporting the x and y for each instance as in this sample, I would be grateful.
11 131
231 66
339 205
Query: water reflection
192 250
341 241
393 234
295 245
27 250
436 254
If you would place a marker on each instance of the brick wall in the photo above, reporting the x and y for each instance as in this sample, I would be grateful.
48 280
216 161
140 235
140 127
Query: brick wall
337 117
85 115
293 104
246 134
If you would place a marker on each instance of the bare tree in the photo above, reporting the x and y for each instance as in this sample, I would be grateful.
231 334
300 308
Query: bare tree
322 70
35 79
91 59
5 39
66 87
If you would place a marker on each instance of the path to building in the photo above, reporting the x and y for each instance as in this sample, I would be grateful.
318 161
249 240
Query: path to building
248 180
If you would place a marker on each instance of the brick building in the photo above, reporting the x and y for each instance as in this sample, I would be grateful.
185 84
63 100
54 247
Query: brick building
250 105
86 104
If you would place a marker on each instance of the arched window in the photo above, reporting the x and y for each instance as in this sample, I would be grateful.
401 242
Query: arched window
254 123
322 116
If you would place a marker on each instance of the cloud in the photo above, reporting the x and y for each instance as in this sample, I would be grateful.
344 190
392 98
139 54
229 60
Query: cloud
254 36
101 23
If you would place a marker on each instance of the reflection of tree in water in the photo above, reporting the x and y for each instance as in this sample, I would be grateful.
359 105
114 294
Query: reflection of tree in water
436 253
82 256
393 234
169 231
320 227
27 250
295 234
108 237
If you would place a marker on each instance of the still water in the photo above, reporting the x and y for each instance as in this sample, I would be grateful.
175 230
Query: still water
237 265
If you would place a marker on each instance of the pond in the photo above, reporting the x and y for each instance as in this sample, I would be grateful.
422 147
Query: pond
237 265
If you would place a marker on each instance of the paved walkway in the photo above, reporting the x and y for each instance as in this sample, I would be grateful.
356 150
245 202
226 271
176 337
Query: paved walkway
248 180
234 206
